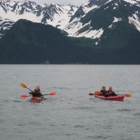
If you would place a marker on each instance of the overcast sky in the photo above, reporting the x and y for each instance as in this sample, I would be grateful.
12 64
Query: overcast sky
61 2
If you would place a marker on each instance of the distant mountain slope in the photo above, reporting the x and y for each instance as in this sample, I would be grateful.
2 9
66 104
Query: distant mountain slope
35 43
28 42
117 30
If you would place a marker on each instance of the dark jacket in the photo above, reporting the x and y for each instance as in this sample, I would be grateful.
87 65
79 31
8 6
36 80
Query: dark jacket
104 92
111 93
36 93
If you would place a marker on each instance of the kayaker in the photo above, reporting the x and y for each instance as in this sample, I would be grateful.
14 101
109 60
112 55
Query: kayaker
36 92
111 92
104 91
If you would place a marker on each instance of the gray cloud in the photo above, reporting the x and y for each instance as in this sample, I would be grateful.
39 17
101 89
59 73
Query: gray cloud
61 2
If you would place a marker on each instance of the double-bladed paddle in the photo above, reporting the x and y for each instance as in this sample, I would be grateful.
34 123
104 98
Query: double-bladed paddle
24 86
25 96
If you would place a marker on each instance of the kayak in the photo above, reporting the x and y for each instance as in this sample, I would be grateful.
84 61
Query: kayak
112 98
36 99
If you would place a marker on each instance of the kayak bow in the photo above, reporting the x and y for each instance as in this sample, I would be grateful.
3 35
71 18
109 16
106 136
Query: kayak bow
36 99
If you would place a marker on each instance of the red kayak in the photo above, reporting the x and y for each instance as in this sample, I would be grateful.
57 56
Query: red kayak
36 99
112 98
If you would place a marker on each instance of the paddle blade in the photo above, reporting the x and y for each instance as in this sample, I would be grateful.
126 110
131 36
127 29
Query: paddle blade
23 85
98 92
52 93
24 96
91 94
127 95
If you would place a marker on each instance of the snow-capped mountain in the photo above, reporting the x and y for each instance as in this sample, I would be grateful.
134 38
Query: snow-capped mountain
82 23
90 20
37 13
53 14
5 24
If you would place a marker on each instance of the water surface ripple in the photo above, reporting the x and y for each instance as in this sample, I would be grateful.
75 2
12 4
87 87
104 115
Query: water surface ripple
72 114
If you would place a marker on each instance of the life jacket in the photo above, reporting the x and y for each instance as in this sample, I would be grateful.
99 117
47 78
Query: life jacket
104 92
110 91
36 93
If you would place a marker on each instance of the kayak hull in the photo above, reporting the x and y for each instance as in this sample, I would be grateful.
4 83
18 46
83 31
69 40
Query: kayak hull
36 99
111 98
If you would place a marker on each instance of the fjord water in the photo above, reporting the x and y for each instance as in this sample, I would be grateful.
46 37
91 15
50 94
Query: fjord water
72 114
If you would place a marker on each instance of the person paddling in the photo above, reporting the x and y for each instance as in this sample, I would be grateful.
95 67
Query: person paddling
111 92
104 91
36 92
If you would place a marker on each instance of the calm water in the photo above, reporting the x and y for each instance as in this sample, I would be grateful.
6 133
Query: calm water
72 114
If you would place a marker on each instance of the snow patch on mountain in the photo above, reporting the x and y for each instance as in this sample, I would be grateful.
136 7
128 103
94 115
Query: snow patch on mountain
73 27
110 26
5 25
131 1
108 2
75 30
106 8
61 19
135 22
117 19
87 8
15 17
92 34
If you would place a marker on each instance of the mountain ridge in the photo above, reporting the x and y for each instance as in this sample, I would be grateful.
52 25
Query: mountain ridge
68 18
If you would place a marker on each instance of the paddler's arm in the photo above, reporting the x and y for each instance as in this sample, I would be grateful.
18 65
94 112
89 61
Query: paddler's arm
31 92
